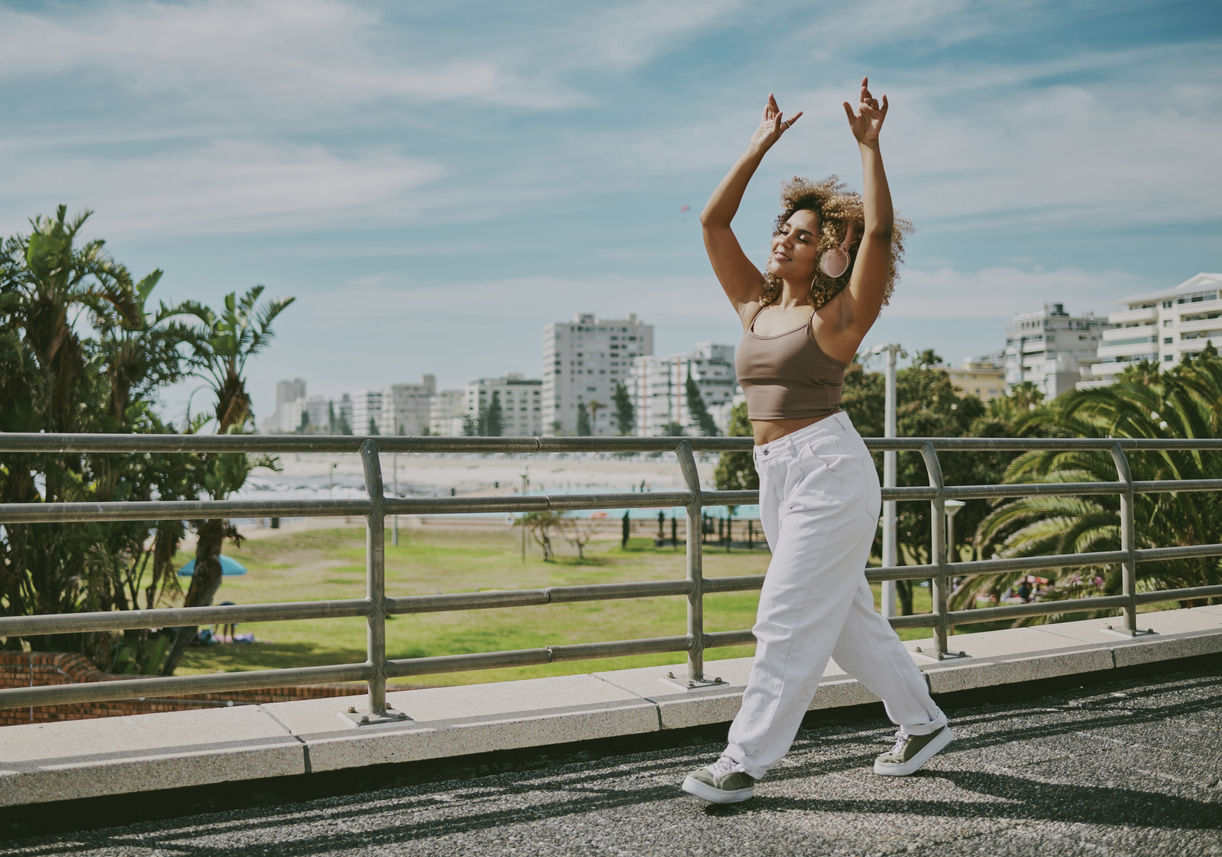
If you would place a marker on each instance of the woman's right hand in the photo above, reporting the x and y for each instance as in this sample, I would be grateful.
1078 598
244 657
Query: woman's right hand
772 126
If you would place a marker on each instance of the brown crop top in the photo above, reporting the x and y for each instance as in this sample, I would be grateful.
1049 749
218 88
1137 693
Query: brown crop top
787 376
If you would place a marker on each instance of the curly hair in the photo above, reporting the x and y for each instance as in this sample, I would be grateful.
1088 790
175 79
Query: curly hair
836 207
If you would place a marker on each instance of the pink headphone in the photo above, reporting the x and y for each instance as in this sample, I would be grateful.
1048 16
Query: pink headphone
835 262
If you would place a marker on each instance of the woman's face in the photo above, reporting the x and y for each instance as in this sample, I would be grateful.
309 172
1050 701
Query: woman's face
794 254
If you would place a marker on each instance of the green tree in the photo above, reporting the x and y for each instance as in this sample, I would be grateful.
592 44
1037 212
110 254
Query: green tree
625 413
736 470
372 429
594 407
222 346
696 407
673 430
59 375
1181 403
583 421
494 417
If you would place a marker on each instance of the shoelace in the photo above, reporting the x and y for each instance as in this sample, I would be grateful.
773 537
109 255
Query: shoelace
723 767
901 738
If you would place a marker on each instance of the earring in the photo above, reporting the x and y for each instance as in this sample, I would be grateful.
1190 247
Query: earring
835 262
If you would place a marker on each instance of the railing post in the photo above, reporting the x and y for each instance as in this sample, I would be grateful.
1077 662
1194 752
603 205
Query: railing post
375 577
1127 539
937 529
695 565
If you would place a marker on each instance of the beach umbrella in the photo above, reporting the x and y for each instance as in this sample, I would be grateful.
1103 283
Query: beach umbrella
229 568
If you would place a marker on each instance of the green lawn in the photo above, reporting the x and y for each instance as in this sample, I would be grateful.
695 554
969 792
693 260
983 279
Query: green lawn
326 564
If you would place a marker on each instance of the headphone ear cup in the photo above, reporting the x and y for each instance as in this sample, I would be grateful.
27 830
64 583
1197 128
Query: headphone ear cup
834 262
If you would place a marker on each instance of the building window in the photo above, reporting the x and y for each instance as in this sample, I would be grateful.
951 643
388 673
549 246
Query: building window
1168 357
1167 340
1166 304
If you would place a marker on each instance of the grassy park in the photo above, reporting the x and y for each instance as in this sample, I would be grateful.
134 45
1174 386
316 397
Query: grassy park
316 565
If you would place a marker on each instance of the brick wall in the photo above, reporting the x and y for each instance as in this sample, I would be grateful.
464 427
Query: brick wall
38 669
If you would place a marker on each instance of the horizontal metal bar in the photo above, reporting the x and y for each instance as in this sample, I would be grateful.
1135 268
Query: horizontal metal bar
901 572
1162 486
533 657
178 617
720 639
621 500
1178 552
140 688
1191 593
1037 563
917 620
462 663
610 591
620 648
739 583
193 443
1032 489
534 597
1037 608
177 510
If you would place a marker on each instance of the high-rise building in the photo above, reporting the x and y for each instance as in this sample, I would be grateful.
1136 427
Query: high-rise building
1051 348
343 413
446 415
583 360
1160 327
521 402
366 412
659 389
405 408
290 391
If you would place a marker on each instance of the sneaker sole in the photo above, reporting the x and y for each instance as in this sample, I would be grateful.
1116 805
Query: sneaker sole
715 795
918 761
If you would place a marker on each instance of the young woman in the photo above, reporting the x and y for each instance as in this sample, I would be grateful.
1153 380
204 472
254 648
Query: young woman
831 269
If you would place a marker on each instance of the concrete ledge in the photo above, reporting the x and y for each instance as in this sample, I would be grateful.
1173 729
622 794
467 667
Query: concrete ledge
42 763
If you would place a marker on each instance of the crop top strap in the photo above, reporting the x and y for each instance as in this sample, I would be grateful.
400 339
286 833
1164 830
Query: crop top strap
751 323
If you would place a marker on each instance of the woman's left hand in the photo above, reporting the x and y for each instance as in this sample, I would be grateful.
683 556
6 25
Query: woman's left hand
868 120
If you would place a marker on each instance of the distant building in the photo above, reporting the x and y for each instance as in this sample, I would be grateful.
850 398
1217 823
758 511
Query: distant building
366 412
405 408
521 402
583 360
290 391
1161 327
446 415
1051 348
659 388
983 377
343 413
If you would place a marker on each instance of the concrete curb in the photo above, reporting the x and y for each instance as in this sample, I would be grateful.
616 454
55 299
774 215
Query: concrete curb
40 763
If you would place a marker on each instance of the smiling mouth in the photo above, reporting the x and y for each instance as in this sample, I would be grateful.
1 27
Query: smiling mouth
779 255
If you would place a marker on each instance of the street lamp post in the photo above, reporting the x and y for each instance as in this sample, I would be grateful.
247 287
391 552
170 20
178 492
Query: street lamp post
394 531
525 485
952 509
890 548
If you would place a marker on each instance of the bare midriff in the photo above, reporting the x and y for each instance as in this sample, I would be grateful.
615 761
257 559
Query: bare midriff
766 431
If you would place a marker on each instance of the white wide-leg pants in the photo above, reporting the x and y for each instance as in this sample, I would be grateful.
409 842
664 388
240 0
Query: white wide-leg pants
819 506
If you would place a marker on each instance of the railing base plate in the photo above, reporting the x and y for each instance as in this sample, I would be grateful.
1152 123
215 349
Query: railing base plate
356 718
1124 632
692 684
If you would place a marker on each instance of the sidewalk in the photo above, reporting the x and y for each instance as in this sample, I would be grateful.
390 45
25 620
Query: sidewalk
40 763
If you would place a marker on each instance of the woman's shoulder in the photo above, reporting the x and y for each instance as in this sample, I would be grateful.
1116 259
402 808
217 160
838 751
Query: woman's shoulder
748 311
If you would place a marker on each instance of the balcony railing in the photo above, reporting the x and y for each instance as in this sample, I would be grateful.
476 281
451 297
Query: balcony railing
376 606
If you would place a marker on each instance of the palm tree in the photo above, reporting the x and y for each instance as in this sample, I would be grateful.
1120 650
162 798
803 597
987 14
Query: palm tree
222 345
1184 402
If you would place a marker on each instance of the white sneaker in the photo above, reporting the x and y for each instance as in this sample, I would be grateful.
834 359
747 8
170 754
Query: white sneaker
724 781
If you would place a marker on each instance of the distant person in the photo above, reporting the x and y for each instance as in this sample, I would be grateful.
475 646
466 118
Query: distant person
1024 590
831 267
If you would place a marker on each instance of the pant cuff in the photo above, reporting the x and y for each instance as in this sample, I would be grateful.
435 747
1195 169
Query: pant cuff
736 753
926 728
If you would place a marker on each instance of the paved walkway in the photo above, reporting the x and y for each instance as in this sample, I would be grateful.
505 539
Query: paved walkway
1128 767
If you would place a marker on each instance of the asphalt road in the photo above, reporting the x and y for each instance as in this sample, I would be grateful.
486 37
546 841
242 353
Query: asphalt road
1130 767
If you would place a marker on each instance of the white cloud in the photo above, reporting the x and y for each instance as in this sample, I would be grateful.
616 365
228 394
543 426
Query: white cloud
225 186
228 55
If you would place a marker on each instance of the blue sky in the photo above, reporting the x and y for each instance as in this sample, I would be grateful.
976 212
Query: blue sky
435 181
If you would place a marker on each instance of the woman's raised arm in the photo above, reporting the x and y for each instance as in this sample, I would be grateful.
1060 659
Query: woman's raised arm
741 280
868 282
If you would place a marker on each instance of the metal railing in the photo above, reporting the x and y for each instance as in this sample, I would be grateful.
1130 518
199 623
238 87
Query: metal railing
376 606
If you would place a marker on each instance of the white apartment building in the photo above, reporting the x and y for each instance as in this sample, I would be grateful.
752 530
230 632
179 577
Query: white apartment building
405 408
366 411
583 360
659 388
521 401
290 391
446 415
1051 348
1160 327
